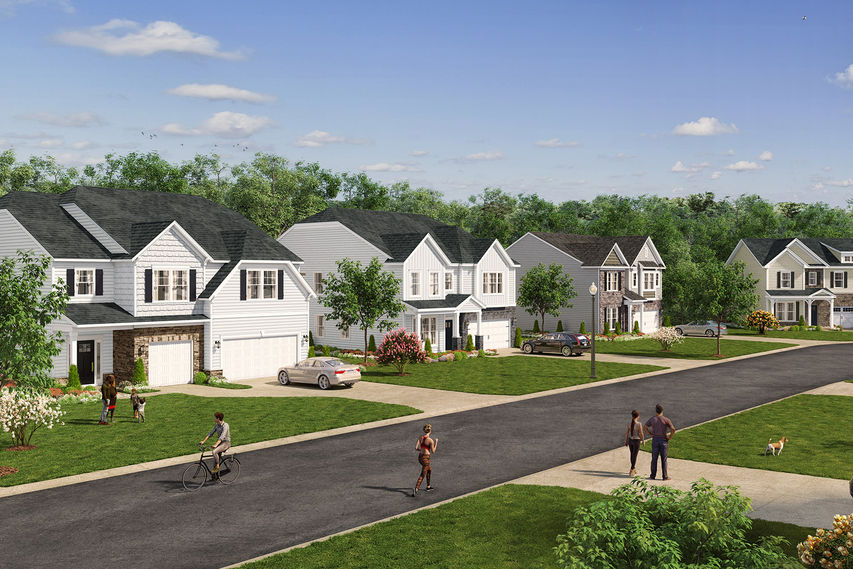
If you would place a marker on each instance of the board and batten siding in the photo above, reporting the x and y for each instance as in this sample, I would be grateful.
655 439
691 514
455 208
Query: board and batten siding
169 251
493 262
423 260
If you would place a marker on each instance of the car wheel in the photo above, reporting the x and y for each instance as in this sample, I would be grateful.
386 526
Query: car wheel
323 382
566 351
283 378
348 384
679 331
709 333
527 348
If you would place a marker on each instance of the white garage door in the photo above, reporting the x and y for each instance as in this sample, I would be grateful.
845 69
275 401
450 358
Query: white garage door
651 321
844 316
495 334
257 357
170 363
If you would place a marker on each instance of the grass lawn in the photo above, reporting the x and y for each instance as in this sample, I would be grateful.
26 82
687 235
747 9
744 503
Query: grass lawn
513 375
819 442
825 335
509 527
690 348
175 423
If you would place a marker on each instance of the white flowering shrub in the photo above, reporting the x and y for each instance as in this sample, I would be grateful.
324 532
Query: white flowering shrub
667 336
22 413
77 399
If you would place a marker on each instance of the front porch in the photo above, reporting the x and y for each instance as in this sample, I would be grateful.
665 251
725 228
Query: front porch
446 323
816 306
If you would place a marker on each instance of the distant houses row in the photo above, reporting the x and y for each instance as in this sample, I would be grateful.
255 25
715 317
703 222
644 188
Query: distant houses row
188 285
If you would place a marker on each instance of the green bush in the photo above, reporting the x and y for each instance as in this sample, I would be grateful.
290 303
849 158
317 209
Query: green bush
200 378
312 351
327 351
618 328
559 325
459 355
636 327
667 322
310 338
427 346
139 376
660 526
606 327
536 329
802 322
481 353
583 327
371 344
74 378
469 344
517 342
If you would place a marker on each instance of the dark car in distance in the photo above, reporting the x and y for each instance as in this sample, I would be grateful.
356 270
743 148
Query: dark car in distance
565 343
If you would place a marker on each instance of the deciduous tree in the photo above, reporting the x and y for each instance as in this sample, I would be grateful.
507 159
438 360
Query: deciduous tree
545 290
724 292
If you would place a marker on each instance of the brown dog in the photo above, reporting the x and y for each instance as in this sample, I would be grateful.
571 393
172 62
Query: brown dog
773 447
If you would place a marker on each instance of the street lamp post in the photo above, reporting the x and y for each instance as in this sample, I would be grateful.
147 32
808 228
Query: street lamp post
593 290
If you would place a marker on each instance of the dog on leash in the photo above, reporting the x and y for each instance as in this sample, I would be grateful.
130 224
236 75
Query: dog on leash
774 447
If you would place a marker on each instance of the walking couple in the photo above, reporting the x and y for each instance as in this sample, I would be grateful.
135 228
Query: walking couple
660 429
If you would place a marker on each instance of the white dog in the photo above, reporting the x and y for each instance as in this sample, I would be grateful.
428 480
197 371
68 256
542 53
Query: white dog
773 447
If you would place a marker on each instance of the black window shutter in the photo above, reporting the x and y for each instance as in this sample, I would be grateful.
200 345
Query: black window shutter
831 278
798 311
192 284
149 285
99 282
620 280
792 280
69 281
243 284
778 279
280 284
845 279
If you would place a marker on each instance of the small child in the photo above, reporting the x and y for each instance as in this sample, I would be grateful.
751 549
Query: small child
140 409
134 401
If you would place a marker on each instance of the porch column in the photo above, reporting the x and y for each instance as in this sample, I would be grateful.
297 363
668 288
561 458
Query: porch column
479 320
809 312
832 312
642 317
418 327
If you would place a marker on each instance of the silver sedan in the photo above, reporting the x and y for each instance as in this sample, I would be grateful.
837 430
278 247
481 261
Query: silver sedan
323 372
700 328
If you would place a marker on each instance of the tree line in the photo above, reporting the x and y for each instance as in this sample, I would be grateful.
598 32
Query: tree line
275 193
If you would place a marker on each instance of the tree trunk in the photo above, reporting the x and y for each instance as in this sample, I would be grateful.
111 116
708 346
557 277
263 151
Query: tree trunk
542 313
718 337
365 344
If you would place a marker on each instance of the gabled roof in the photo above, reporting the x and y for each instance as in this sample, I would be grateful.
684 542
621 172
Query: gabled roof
765 250
449 301
133 218
398 234
593 250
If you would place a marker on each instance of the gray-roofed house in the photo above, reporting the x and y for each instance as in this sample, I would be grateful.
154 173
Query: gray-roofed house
626 270
183 283
801 277
453 284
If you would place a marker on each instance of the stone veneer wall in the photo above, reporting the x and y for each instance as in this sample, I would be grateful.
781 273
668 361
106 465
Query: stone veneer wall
470 319
127 345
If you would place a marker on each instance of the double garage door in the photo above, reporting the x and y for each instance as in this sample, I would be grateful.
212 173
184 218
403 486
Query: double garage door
495 333
257 357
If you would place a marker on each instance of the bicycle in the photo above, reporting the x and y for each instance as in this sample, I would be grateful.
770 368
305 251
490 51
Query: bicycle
195 476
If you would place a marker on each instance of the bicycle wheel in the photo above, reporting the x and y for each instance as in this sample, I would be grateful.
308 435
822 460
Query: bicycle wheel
230 470
194 476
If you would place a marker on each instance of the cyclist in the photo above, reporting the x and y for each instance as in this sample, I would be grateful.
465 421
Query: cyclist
223 440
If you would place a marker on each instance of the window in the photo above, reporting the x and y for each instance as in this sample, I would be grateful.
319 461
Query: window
433 284
180 285
611 280
429 330
162 285
634 279
838 279
612 315
648 281
493 283
416 284
345 333
318 283
269 284
847 258
253 285
171 285
812 278
785 311
321 325
84 280
785 279
448 281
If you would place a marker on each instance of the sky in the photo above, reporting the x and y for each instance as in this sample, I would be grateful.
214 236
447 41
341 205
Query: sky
567 100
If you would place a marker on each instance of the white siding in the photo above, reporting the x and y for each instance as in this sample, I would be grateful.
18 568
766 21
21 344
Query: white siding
646 254
494 262
169 251
423 260
123 285
59 272
14 237
60 361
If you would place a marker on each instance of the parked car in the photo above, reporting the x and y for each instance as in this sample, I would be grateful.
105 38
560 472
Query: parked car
565 343
700 328
323 371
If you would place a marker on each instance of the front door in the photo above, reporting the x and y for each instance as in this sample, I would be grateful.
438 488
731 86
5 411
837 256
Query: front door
448 335
86 361
814 315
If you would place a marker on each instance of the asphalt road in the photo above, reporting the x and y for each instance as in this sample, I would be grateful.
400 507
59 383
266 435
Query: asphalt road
295 493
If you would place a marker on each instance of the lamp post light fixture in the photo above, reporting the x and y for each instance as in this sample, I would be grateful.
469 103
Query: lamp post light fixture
593 291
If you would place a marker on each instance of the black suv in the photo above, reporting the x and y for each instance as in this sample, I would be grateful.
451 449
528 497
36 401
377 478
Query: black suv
564 343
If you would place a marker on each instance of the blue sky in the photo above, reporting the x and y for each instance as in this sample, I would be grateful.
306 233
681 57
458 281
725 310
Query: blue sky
567 100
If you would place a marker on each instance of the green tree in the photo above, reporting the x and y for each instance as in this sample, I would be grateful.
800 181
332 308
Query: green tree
469 344
371 345
517 341
536 328
73 377
362 297
139 375
545 290
724 292
582 329
28 303
559 325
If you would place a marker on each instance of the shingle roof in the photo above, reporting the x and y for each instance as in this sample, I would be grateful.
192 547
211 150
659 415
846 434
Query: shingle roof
450 301
591 249
631 295
111 313
397 234
797 292
765 250
133 218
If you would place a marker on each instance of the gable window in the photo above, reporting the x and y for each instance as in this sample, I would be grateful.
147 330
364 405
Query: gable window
318 283
611 281
786 279
448 281
433 284
180 285
416 284
171 285
812 278
85 281
493 283
648 281
847 258
321 325
162 285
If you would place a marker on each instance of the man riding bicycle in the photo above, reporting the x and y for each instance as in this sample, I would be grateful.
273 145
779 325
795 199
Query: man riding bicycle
223 440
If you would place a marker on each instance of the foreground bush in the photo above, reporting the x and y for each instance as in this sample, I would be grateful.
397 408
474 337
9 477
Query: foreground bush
665 528
667 337
830 548
400 348
22 413
762 320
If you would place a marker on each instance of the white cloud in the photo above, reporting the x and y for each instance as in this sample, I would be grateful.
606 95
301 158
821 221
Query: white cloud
845 78
8 8
419 153
226 123
126 37
744 166
318 138
848 183
83 144
218 91
766 156
482 156
716 175
72 120
827 168
705 126
386 167
730 152
557 143
679 167
51 142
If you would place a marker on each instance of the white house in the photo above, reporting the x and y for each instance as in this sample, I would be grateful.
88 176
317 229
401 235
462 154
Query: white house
174 279
627 272
453 284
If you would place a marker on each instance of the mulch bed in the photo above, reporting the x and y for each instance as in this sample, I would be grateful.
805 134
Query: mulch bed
22 447
4 470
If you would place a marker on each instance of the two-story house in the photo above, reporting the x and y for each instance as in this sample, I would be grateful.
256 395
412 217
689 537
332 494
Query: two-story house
183 283
801 277
452 284
627 272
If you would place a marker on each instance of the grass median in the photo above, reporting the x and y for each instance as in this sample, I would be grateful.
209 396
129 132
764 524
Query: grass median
690 348
174 424
822 335
513 375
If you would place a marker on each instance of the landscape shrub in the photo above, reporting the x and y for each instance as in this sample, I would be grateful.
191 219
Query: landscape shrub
312 352
536 327
310 338
606 327
459 355
517 342
23 412
469 344
636 327
762 320
400 348
667 337
371 344
73 378
583 327
427 346
200 378
327 351
559 325
139 375
802 322
834 544
481 353
618 328
667 321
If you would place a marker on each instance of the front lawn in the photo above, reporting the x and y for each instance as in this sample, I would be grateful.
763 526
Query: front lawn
823 335
690 348
513 375
174 424
819 442
509 527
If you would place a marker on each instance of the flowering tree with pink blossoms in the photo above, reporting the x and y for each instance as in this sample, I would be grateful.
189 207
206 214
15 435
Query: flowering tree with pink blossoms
400 348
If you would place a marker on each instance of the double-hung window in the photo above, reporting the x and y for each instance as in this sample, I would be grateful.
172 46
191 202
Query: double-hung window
345 333
612 315
84 280
785 279
321 325
415 283
433 284
171 285
785 311
318 283
269 284
162 286
812 278
838 279
260 284
429 329
448 281
648 281
180 285
493 283
611 281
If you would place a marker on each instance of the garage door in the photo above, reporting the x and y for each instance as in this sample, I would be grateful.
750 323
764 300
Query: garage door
257 357
170 363
844 316
495 334
651 319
